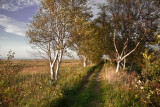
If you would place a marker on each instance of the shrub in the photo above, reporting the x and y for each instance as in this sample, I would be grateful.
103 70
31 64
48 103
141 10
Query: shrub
7 72
149 87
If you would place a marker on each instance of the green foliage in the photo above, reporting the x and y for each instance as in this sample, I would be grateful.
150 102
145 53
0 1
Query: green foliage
104 30
8 72
92 45
8 69
158 39
152 66
85 38
149 88
129 26
158 36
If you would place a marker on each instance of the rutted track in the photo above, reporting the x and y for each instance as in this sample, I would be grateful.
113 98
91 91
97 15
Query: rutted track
88 92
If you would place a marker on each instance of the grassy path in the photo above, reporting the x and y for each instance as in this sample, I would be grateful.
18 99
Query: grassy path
87 94
94 91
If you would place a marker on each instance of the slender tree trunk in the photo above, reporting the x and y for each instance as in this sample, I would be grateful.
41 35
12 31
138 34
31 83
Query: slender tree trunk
84 61
58 64
57 69
52 64
52 69
124 63
52 72
118 64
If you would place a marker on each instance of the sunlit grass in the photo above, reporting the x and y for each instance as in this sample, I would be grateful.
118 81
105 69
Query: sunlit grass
114 91
32 86
76 86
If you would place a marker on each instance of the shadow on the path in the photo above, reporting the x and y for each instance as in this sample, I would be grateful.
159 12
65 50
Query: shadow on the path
82 95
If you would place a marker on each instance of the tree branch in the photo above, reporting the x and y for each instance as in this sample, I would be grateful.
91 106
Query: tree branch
131 51
115 42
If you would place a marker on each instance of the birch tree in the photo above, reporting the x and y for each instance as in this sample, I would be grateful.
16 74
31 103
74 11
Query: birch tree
79 29
134 22
87 42
78 38
50 31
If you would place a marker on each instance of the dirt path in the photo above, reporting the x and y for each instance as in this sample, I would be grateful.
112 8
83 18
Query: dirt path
96 89
88 94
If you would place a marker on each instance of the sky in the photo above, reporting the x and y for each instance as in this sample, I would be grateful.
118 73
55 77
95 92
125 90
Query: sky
14 17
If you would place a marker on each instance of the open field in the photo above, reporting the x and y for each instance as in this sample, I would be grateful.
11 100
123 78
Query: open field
32 86
92 86
42 66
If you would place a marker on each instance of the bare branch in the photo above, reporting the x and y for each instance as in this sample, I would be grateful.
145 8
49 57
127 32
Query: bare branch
125 46
131 51
115 42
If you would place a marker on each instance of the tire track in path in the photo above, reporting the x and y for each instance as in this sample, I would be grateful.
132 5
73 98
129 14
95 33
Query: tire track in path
88 93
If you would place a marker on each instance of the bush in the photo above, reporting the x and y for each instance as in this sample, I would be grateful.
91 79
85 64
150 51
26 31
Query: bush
7 72
149 86
151 70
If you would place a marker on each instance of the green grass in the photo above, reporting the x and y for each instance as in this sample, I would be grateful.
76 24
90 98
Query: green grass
112 95
76 87
84 93
28 90
71 94
116 94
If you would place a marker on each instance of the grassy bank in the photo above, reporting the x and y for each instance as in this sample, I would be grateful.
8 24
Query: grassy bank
115 92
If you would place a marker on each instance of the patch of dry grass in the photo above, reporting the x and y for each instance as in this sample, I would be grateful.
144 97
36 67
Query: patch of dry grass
35 70
42 66
116 88
123 77
108 73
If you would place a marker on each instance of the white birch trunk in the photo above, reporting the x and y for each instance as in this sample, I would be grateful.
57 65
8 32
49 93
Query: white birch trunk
52 72
117 69
124 63
123 54
52 64
58 64
84 61
57 69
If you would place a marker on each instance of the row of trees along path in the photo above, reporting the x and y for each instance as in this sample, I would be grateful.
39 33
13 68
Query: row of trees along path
122 30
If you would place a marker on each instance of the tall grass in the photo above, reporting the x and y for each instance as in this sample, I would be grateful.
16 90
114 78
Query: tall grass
32 87
115 89
76 86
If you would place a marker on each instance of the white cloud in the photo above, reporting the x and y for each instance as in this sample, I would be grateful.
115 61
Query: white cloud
14 5
3 37
30 18
12 26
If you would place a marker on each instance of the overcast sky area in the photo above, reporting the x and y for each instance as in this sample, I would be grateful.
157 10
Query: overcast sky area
14 16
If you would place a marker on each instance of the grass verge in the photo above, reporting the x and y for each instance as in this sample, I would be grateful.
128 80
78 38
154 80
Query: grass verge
113 93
